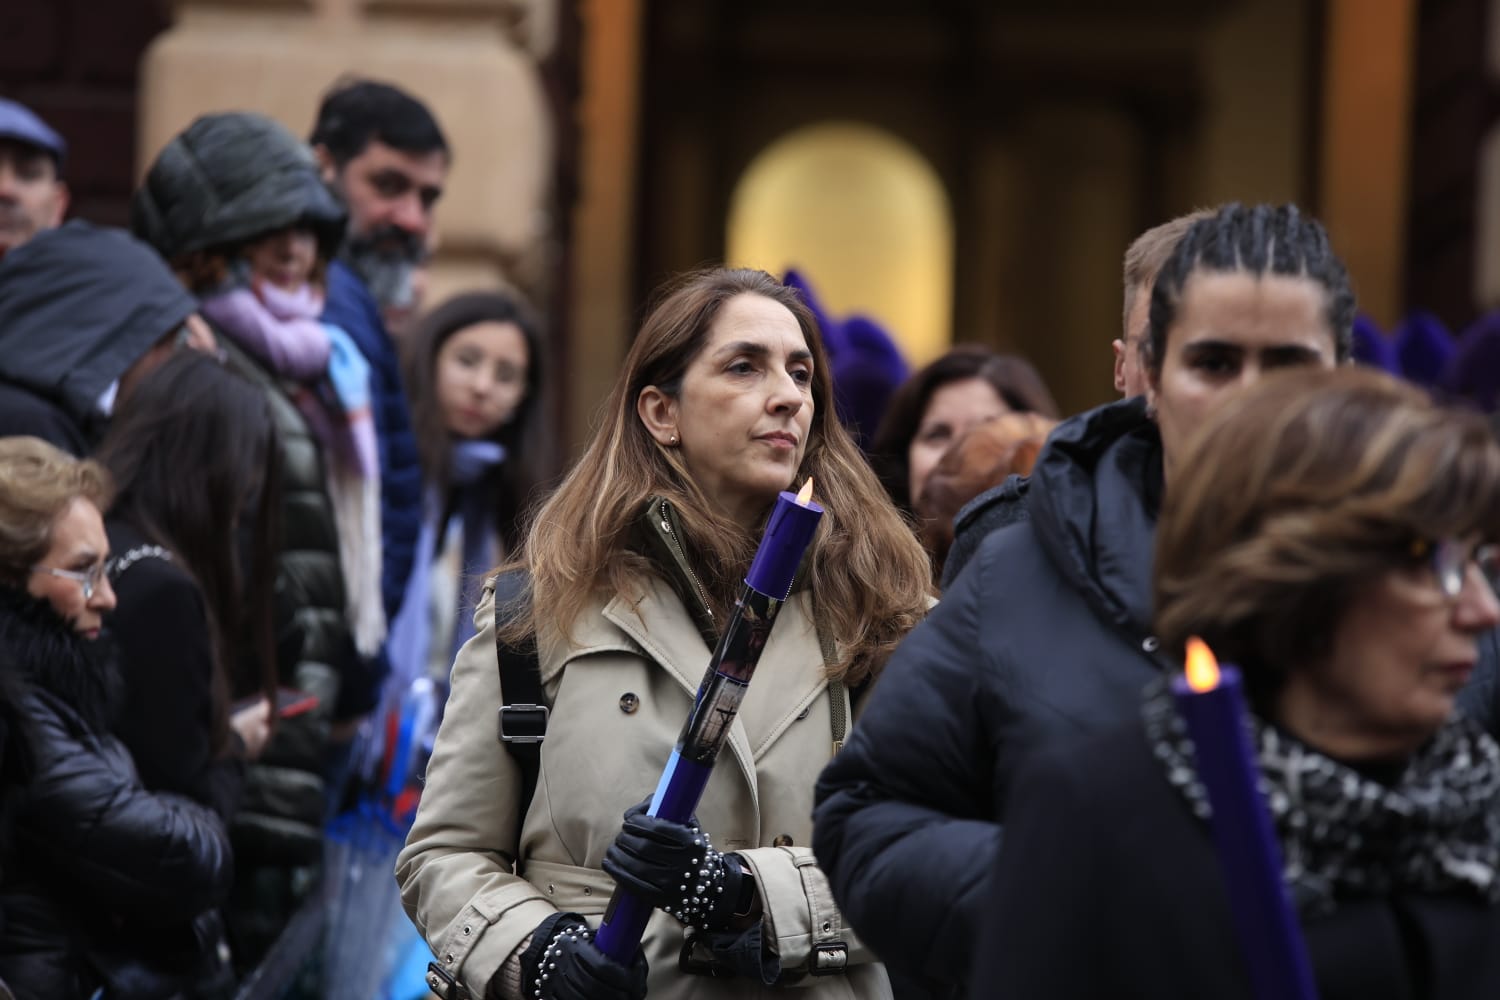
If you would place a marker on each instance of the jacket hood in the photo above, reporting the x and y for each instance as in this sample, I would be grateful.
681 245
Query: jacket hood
79 305
1093 499
228 178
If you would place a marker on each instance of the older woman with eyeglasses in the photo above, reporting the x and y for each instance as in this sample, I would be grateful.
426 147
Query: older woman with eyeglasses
1332 534
102 883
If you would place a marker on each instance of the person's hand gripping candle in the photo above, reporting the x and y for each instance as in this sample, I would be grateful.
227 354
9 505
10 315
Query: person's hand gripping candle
674 867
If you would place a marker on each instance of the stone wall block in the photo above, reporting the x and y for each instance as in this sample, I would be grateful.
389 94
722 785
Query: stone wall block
487 94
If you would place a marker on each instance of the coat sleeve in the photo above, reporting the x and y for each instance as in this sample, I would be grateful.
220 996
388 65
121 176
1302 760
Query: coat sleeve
457 869
154 857
903 821
799 913
168 716
1043 899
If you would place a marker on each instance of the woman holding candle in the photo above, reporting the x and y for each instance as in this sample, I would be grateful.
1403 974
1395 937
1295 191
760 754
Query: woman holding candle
1047 634
724 402
1340 563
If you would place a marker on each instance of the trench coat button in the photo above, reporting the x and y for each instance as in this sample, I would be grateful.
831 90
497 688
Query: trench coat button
1150 644
782 840
629 703
588 890
468 930
803 714
551 889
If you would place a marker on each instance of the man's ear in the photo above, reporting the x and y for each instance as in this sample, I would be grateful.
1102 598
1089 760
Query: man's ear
64 197
327 169
1118 346
658 412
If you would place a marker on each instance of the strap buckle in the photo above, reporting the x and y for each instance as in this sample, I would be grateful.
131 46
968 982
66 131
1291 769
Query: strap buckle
829 959
691 959
444 985
522 723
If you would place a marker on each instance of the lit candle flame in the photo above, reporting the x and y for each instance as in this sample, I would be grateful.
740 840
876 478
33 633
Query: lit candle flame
1201 668
804 495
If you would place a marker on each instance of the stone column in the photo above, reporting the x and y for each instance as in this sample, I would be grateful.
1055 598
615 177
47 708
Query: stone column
1369 57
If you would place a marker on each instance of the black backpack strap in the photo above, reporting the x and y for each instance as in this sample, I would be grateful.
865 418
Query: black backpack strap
522 721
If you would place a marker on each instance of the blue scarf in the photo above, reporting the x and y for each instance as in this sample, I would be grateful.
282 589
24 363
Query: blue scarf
410 638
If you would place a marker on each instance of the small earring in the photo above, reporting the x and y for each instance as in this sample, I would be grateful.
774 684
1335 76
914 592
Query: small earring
672 442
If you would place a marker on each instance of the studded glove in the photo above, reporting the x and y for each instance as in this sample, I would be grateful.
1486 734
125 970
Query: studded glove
675 868
563 964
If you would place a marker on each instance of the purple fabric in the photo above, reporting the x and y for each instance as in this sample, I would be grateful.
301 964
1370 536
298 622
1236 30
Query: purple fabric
866 365
1475 371
1424 349
1372 346
280 329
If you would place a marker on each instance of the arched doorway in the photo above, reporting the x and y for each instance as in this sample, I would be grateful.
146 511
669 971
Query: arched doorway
864 216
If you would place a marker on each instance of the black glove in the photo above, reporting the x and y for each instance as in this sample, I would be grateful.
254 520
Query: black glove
562 963
675 868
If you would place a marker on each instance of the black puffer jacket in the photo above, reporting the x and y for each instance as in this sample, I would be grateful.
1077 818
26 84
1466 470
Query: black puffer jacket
103 880
281 812
1045 636
228 177
79 305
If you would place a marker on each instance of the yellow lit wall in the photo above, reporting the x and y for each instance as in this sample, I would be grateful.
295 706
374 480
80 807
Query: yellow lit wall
864 217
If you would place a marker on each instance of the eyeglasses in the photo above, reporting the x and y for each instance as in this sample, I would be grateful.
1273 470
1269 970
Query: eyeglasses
89 580
1450 559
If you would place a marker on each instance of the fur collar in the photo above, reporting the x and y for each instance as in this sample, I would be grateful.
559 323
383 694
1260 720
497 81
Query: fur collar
38 648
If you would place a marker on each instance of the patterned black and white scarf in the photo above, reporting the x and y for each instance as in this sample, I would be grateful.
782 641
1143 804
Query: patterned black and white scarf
1436 828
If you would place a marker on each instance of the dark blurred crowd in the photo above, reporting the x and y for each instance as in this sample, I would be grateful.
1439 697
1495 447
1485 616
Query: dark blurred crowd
251 484
230 479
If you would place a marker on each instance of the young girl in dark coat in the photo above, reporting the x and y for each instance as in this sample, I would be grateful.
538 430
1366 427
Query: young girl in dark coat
103 882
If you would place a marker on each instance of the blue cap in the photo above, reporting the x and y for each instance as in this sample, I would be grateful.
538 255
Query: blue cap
20 124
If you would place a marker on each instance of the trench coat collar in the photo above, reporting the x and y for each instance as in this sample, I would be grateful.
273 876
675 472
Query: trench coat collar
660 628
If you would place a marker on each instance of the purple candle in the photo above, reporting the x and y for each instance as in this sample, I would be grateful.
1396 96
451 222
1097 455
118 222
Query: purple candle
788 532
730 669
1212 706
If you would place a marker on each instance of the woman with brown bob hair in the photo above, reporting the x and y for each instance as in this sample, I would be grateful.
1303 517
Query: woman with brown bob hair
724 401
1339 560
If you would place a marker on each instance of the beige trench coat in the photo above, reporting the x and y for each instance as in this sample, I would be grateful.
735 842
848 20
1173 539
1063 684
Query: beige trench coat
619 695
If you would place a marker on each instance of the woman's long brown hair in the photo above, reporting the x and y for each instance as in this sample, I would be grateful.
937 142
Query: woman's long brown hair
869 576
